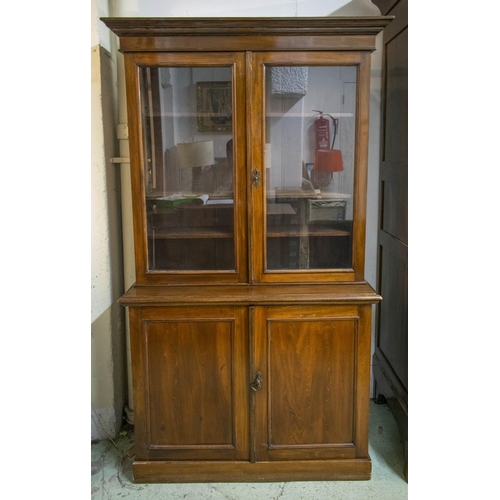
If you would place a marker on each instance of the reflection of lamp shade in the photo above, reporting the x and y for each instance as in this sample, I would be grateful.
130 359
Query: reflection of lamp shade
328 160
195 154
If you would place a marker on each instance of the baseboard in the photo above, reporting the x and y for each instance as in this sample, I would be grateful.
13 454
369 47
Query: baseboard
206 472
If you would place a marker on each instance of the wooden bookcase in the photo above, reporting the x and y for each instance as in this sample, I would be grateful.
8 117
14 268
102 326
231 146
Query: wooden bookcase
250 317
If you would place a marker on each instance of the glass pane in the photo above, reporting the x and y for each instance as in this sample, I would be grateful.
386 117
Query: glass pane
187 137
310 121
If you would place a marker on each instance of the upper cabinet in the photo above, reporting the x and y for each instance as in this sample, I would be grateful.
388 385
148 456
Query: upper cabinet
188 161
308 174
248 141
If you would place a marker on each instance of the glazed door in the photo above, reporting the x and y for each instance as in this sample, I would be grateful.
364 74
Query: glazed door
313 364
309 124
187 133
191 388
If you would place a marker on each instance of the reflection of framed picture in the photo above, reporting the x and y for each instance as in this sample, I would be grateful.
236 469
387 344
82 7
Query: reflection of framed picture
214 100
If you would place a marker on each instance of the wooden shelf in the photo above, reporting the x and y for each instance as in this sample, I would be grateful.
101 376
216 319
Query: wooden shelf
180 233
228 232
338 293
289 231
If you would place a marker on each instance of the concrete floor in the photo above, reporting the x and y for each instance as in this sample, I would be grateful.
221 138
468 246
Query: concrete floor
112 474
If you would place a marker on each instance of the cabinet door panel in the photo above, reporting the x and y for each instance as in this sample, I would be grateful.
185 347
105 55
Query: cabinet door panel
187 145
308 357
311 373
196 383
309 166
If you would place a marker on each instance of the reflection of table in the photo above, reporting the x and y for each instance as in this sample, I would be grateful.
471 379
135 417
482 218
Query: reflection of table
297 231
280 193
296 213
280 209
332 209
277 206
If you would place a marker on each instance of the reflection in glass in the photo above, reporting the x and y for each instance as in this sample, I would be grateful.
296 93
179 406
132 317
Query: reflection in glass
309 159
187 140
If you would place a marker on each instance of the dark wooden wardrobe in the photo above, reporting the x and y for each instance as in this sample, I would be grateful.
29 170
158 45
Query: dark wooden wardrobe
390 360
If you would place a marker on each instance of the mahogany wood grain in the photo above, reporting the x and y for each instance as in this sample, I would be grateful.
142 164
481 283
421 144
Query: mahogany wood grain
190 367
242 43
207 472
192 407
257 26
334 293
200 338
309 406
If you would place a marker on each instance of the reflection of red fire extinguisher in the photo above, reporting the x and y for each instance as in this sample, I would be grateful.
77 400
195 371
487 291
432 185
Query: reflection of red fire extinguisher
327 159
322 131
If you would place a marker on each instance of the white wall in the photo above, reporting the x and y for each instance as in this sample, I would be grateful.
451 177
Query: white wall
108 343
108 384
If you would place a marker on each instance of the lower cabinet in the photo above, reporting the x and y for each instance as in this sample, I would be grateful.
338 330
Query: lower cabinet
251 393
190 370
306 408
